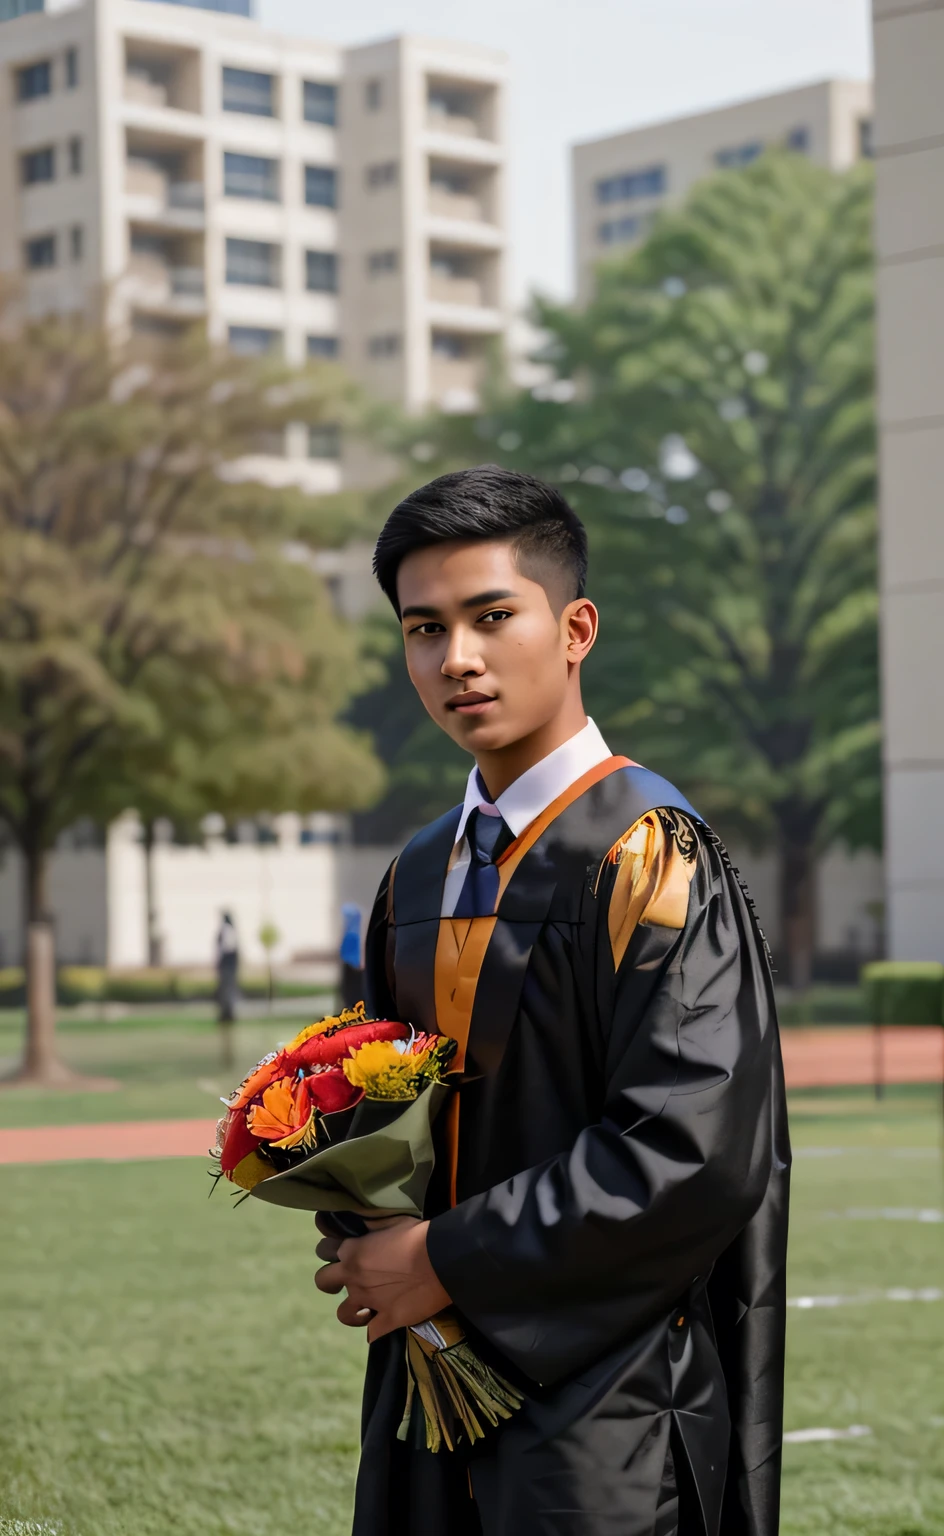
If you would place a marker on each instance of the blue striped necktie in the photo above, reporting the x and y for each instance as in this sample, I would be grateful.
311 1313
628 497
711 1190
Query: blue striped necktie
488 837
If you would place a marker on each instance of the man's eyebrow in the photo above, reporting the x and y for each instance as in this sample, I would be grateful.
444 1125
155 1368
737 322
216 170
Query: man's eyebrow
497 596
416 611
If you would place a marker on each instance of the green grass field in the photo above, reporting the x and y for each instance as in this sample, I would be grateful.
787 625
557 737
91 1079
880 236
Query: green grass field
169 1366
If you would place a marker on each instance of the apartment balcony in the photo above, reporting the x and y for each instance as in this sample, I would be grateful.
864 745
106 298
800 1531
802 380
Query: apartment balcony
457 206
468 319
455 290
155 285
463 115
154 196
440 120
161 79
456 383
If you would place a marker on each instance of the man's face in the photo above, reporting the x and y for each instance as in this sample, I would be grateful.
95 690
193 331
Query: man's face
484 649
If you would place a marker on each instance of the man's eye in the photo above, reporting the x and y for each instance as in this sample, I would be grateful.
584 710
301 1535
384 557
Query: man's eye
429 628
494 614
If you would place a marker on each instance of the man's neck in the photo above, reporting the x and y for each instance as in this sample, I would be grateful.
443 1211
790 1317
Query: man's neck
501 768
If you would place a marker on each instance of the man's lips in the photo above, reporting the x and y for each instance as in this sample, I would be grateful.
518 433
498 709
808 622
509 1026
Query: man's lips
470 703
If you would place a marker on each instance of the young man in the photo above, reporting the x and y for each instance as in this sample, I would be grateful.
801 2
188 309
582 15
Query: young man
611 1215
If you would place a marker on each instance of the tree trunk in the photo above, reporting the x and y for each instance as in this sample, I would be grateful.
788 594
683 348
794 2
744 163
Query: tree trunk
41 1062
797 878
41 1065
155 942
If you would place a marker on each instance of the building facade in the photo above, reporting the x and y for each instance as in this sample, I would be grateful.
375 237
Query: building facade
293 196
621 181
909 150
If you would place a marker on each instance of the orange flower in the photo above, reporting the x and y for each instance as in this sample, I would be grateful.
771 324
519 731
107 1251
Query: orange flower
284 1109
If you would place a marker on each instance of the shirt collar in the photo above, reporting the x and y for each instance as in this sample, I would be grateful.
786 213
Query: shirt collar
535 789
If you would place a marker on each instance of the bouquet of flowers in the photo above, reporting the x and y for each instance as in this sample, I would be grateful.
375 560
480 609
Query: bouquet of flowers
341 1120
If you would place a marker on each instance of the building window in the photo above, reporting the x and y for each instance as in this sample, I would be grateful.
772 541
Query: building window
231 7
40 252
250 176
448 344
383 346
866 138
72 68
245 90
373 95
76 242
321 271
323 346
380 263
34 80
75 157
38 165
382 175
739 154
321 186
651 181
253 262
324 440
798 140
320 102
612 231
253 340
12 8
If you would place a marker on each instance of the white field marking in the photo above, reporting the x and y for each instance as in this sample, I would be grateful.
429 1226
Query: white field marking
883 1151
808 1436
885 1213
897 1293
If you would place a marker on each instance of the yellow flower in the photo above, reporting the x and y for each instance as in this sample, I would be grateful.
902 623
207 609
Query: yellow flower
348 1016
386 1073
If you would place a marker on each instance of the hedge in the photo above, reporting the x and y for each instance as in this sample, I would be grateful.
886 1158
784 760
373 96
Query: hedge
92 984
904 991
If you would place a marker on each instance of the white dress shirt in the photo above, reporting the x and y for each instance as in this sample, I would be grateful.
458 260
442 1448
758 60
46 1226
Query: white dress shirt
523 800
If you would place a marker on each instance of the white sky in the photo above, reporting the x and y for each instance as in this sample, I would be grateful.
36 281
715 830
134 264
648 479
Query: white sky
581 68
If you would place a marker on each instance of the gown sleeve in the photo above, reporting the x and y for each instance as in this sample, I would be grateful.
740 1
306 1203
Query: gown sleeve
564 1261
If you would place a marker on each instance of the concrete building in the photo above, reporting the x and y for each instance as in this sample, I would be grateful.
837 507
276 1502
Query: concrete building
298 875
909 149
292 195
620 182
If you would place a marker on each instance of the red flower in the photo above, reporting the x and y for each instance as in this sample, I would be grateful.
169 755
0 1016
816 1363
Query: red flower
327 1050
238 1141
330 1091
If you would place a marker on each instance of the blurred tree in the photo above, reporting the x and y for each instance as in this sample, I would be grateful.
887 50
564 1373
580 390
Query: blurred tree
710 415
164 637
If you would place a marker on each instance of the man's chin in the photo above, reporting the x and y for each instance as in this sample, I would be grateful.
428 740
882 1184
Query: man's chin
478 733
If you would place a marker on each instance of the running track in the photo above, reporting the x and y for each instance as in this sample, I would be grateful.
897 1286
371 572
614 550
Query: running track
813 1058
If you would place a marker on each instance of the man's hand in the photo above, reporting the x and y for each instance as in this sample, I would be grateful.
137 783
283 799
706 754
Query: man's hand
389 1280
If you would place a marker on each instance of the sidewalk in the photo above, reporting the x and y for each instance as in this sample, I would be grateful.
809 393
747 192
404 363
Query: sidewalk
833 1058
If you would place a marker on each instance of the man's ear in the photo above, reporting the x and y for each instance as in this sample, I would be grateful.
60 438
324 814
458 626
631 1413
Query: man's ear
581 622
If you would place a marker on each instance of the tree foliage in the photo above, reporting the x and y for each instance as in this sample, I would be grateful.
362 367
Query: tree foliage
711 418
165 640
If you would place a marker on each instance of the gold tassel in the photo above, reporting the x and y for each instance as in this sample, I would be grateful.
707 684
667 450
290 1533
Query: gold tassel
456 1388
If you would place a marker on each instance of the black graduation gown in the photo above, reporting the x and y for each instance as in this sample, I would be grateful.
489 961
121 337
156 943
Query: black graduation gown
619 1241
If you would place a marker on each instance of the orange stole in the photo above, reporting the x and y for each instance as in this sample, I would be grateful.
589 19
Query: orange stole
463 941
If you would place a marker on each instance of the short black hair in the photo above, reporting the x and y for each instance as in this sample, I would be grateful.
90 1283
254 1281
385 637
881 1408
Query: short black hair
488 502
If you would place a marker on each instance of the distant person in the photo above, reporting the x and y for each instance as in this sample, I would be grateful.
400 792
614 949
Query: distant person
227 969
352 971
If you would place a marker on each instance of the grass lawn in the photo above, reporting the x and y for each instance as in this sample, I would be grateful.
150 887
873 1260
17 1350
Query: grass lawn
166 1068
169 1366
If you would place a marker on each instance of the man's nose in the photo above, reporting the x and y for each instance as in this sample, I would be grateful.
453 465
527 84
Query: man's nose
462 657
